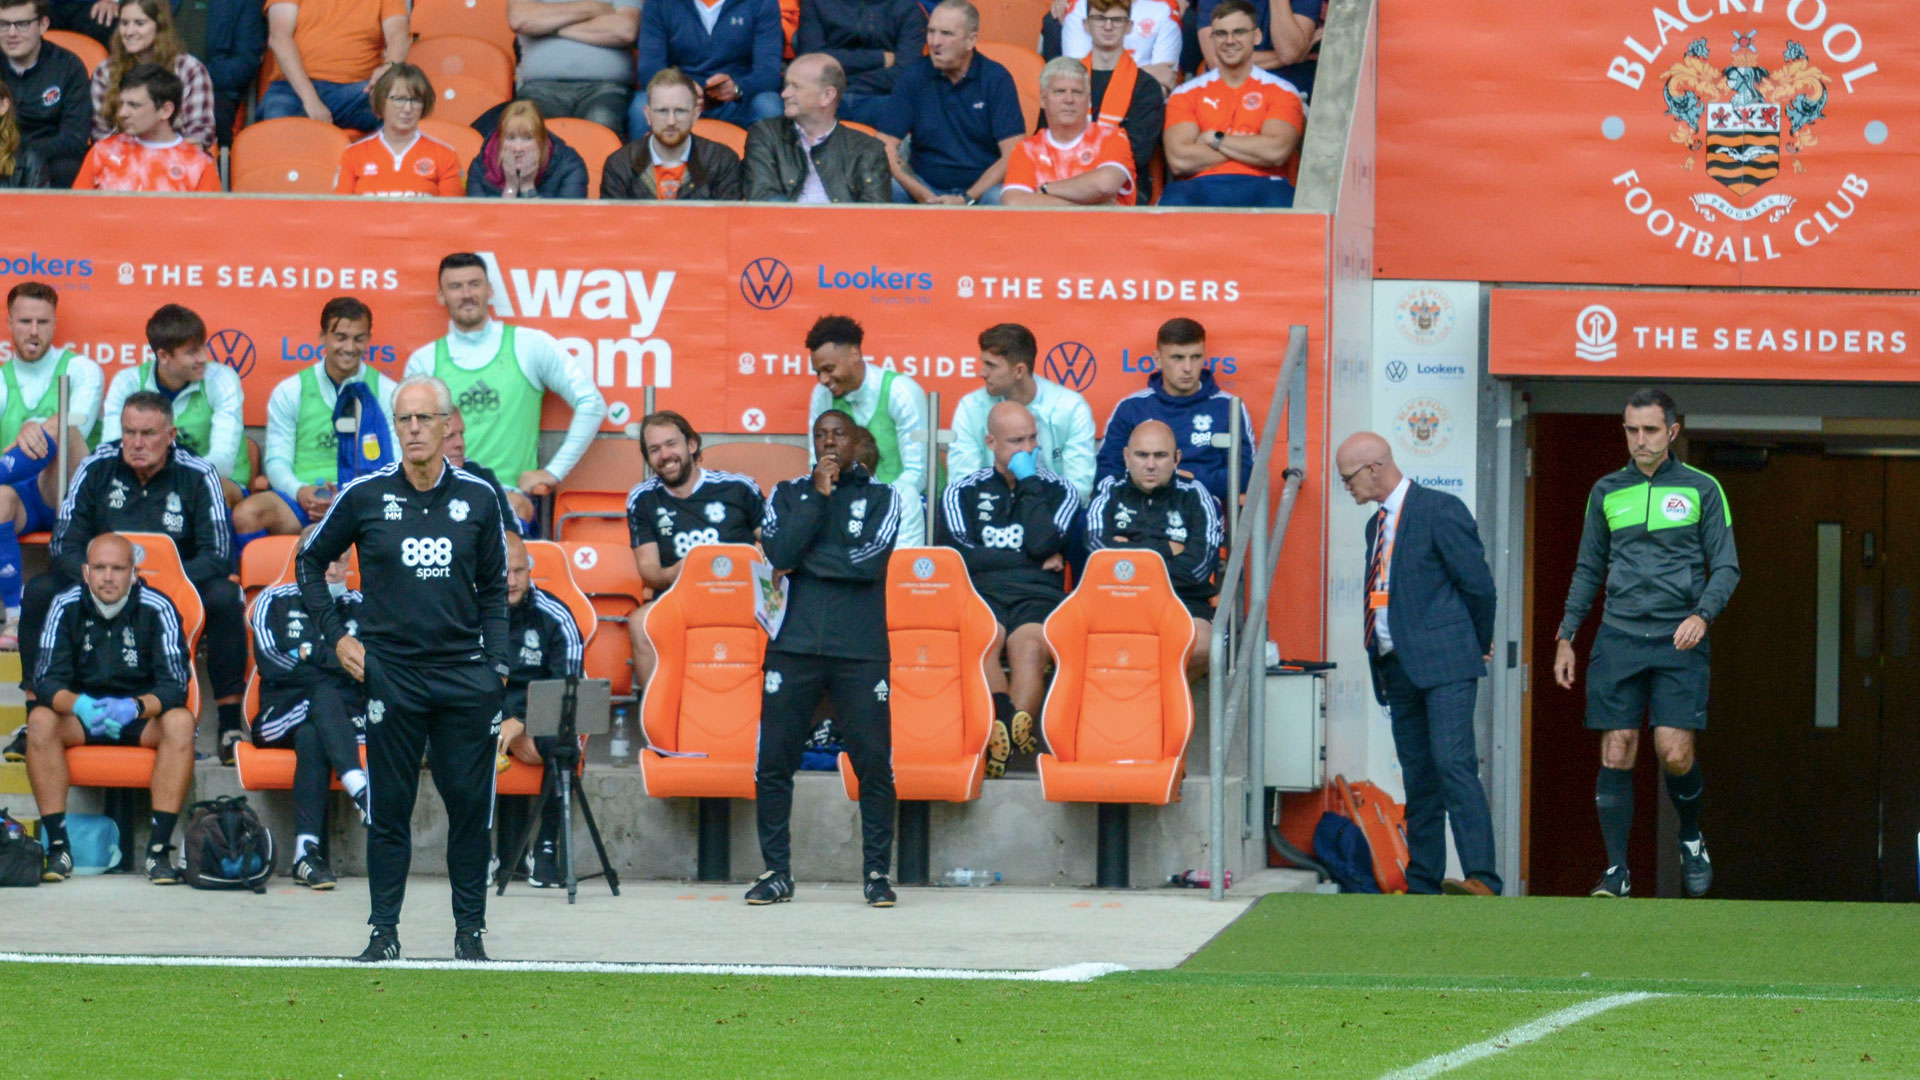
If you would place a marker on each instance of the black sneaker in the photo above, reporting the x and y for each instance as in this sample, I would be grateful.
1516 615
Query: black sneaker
312 871
879 892
467 946
383 945
229 740
1695 868
772 887
543 866
364 803
59 864
160 868
17 746
1614 884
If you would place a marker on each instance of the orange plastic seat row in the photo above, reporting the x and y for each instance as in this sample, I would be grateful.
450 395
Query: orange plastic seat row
594 142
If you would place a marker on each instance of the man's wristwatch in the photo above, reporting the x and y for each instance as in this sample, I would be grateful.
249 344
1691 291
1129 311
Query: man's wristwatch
1043 187
1219 138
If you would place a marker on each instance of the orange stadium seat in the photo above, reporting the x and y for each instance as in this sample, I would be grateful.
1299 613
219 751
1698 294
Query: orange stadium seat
607 575
727 135
91 53
483 19
462 99
551 572
465 141
594 142
267 561
1012 22
259 768
292 155
464 57
1119 713
767 463
1023 63
583 514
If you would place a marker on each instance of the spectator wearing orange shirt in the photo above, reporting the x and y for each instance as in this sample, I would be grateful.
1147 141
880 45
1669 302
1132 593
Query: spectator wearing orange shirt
1232 133
1072 161
399 160
329 53
146 155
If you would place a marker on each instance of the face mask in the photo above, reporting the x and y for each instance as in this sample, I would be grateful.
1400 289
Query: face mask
337 589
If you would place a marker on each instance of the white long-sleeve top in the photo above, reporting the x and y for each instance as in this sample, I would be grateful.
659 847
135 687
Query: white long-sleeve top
1063 421
224 394
545 366
83 401
283 422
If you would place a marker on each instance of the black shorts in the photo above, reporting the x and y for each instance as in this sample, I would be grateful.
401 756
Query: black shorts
1200 608
129 735
1633 678
1013 616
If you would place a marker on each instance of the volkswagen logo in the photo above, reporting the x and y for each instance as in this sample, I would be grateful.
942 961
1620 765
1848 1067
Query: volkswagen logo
923 568
234 349
722 566
1396 371
1072 365
766 283
1123 570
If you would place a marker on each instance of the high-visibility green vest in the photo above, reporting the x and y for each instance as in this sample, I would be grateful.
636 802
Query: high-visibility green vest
193 423
880 426
501 407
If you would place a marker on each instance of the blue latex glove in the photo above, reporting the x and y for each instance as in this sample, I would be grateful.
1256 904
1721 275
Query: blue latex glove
90 712
1022 465
118 713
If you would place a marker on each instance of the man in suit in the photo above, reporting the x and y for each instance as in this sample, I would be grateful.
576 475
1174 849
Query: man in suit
1429 634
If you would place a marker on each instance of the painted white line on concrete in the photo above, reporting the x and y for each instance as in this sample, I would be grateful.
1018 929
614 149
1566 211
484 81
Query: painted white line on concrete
1069 973
1520 1036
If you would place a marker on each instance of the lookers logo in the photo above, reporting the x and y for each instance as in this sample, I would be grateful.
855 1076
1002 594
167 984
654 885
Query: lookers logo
874 279
34 265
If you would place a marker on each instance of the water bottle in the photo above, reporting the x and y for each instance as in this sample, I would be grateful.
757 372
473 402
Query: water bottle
1196 879
963 877
620 747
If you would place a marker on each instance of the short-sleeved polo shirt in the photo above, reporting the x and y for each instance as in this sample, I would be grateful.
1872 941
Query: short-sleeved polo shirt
956 127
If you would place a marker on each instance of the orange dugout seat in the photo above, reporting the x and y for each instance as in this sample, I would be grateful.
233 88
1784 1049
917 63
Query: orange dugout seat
483 19
267 561
550 572
292 155
594 142
606 574
456 55
768 463
598 516
704 700
262 768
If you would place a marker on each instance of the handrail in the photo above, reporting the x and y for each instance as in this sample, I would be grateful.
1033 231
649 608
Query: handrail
1234 674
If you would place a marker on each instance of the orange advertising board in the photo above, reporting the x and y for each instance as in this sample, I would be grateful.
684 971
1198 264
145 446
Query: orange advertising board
1682 142
1692 335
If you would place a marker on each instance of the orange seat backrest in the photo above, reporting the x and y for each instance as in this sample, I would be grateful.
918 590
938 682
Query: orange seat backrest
1120 646
267 561
460 100
291 155
158 563
91 53
941 634
483 19
459 56
1013 22
768 463
727 135
552 572
705 694
594 142
585 514
1023 64
465 141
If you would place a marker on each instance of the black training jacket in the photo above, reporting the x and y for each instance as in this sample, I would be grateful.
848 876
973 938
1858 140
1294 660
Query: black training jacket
184 500
1004 533
543 642
835 549
290 649
1182 512
142 650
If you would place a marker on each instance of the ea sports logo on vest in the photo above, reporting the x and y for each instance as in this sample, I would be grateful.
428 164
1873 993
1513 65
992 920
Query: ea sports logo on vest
766 283
1748 138
1676 507
479 398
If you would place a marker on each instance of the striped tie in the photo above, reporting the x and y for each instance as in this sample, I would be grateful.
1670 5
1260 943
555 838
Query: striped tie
1376 571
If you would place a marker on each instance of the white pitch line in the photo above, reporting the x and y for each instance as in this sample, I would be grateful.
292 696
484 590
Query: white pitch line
1071 973
1520 1036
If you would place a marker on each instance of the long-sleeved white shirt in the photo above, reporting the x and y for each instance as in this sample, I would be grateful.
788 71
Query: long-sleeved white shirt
545 366
907 405
283 422
83 401
1154 39
1062 418
224 394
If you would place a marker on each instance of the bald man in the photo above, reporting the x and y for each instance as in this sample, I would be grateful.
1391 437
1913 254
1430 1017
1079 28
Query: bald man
805 156
112 671
1153 506
1429 633
1010 522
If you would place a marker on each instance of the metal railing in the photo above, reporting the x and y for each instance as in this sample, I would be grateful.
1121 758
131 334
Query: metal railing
1257 535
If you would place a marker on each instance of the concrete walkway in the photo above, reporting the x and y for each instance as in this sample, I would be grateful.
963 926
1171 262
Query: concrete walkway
649 922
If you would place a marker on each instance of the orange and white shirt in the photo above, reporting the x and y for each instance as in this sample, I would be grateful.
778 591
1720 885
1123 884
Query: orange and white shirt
1041 160
1213 105
121 162
426 167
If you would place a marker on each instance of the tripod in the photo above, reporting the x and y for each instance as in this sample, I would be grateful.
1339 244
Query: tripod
561 767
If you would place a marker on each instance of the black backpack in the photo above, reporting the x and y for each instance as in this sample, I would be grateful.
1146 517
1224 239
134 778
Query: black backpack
21 856
227 847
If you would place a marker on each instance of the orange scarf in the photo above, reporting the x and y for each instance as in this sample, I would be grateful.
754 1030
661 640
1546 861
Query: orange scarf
1126 73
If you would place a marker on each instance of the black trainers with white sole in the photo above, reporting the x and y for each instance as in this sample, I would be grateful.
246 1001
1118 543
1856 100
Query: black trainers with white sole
1696 869
364 803
312 871
543 866
384 944
160 868
879 891
468 946
772 887
17 746
59 864
1616 884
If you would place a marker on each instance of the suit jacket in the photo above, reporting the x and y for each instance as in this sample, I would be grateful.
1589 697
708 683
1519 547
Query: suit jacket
1441 603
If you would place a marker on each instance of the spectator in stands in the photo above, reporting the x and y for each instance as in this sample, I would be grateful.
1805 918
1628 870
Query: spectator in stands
889 404
575 57
230 36
730 50
455 449
1232 133
962 111
50 97
1011 521
1153 506
871 40
301 459
330 52
666 160
146 154
832 533
1147 31
311 706
400 160
1121 98
1288 45
681 506
30 428
543 642
145 36
1182 393
498 374
20 165
114 672
1008 353
146 482
522 160
806 156
94 18
1071 161
208 400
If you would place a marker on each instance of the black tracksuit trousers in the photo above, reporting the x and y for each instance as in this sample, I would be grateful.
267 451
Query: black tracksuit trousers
324 745
861 718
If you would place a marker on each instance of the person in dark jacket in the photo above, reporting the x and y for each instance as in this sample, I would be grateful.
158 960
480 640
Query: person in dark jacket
831 532
543 642
52 92
455 448
806 156
1011 523
113 671
236 39
732 58
1182 394
670 161
871 39
523 160
20 166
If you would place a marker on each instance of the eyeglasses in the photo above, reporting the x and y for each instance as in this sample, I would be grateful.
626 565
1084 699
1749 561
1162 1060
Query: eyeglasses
417 419
1346 479
404 101
1243 32
1108 20
18 26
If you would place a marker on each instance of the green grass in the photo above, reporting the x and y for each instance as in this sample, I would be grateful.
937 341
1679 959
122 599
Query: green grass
1302 985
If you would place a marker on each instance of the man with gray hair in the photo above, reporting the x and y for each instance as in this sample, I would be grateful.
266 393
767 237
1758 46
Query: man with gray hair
806 156
962 112
431 650
1072 161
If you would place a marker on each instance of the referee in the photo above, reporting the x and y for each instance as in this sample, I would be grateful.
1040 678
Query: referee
433 569
1659 537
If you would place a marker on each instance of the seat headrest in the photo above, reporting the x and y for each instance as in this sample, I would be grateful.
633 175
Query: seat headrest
927 589
715 587
1126 590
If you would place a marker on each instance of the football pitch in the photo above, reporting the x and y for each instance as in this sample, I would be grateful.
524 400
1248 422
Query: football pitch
1302 985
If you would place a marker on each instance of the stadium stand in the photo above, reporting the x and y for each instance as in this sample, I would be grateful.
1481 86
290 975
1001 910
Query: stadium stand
594 142
482 19
289 156
91 53
462 98
1024 64
465 141
458 56
1011 22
